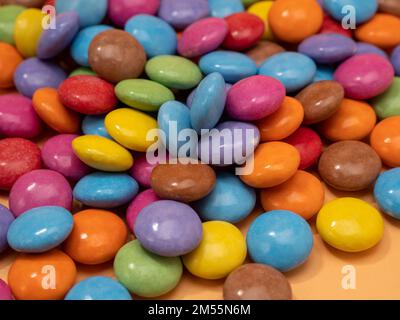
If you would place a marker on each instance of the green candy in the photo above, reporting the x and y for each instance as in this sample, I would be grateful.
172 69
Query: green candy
388 103
8 14
174 72
83 71
143 94
144 273
249 2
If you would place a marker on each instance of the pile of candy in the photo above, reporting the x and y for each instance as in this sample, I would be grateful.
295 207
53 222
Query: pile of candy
93 80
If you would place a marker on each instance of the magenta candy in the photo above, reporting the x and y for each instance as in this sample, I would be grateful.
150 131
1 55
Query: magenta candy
142 200
58 155
5 292
141 171
120 11
40 188
255 98
18 117
202 37
365 76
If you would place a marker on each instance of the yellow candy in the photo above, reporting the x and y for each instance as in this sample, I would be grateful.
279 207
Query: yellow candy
102 153
222 250
350 224
261 9
27 31
130 127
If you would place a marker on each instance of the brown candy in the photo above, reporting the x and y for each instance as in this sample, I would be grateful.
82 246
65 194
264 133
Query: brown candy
184 183
320 100
257 282
349 165
390 6
115 55
25 3
263 50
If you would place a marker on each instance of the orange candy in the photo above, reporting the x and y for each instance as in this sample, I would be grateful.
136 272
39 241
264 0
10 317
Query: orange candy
294 20
45 276
96 237
383 30
354 120
281 124
9 61
303 194
385 139
48 106
274 163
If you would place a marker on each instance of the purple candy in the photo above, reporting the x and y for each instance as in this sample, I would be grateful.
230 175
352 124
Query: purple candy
54 41
18 117
33 74
40 188
395 59
363 48
328 47
58 155
190 98
168 228
6 218
182 13
5 292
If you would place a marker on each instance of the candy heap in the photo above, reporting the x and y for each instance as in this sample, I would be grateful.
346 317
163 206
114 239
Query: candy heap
82 89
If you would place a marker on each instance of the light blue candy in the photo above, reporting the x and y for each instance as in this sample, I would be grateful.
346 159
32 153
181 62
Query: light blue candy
233 66
387 192
90 12
224 8
40 229
230 200
363 9
80 45
94 125
280 239
208 102
105 190
294 70
324 72
98 288
155 35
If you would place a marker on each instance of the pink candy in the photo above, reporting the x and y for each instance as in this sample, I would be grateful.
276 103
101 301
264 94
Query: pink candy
142 200
5 292
141 171
120 11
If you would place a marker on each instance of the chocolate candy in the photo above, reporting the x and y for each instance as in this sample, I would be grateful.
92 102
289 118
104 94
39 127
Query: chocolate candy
389 6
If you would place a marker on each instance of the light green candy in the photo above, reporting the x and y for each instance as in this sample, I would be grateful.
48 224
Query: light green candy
145 95
8 14
144 273
83 71
174 72
388 103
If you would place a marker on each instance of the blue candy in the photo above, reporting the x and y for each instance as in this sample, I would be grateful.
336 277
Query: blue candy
280 239
224 8
98 288
40 229
190 97
90 12
94 125
395 59
387 192
106 190
294 70
233 66
363 9
231 200
324 72
155 35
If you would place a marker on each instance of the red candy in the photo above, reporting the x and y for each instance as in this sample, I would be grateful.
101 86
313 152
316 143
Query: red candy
87 95
17 157
331 26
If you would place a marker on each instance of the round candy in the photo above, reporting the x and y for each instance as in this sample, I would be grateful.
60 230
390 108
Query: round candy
9 61
324 73
385 139
190 97
280 239
221 241
6 218
90 11
18 117
102 153
83 71
142 169
45 276
115 55
26 3
364 47
94 125
350 224
294 20
96 237
33 74
144 273
87 95
389 6
257 282
230 200
223 8
388 103
98 288
330 25
354 120
274 163
105 190
183 182
395 59
8 15
5 292
261 9
386 192
120 11
254 98
363 9
40 229
141 201
302 194
349 165
233 66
